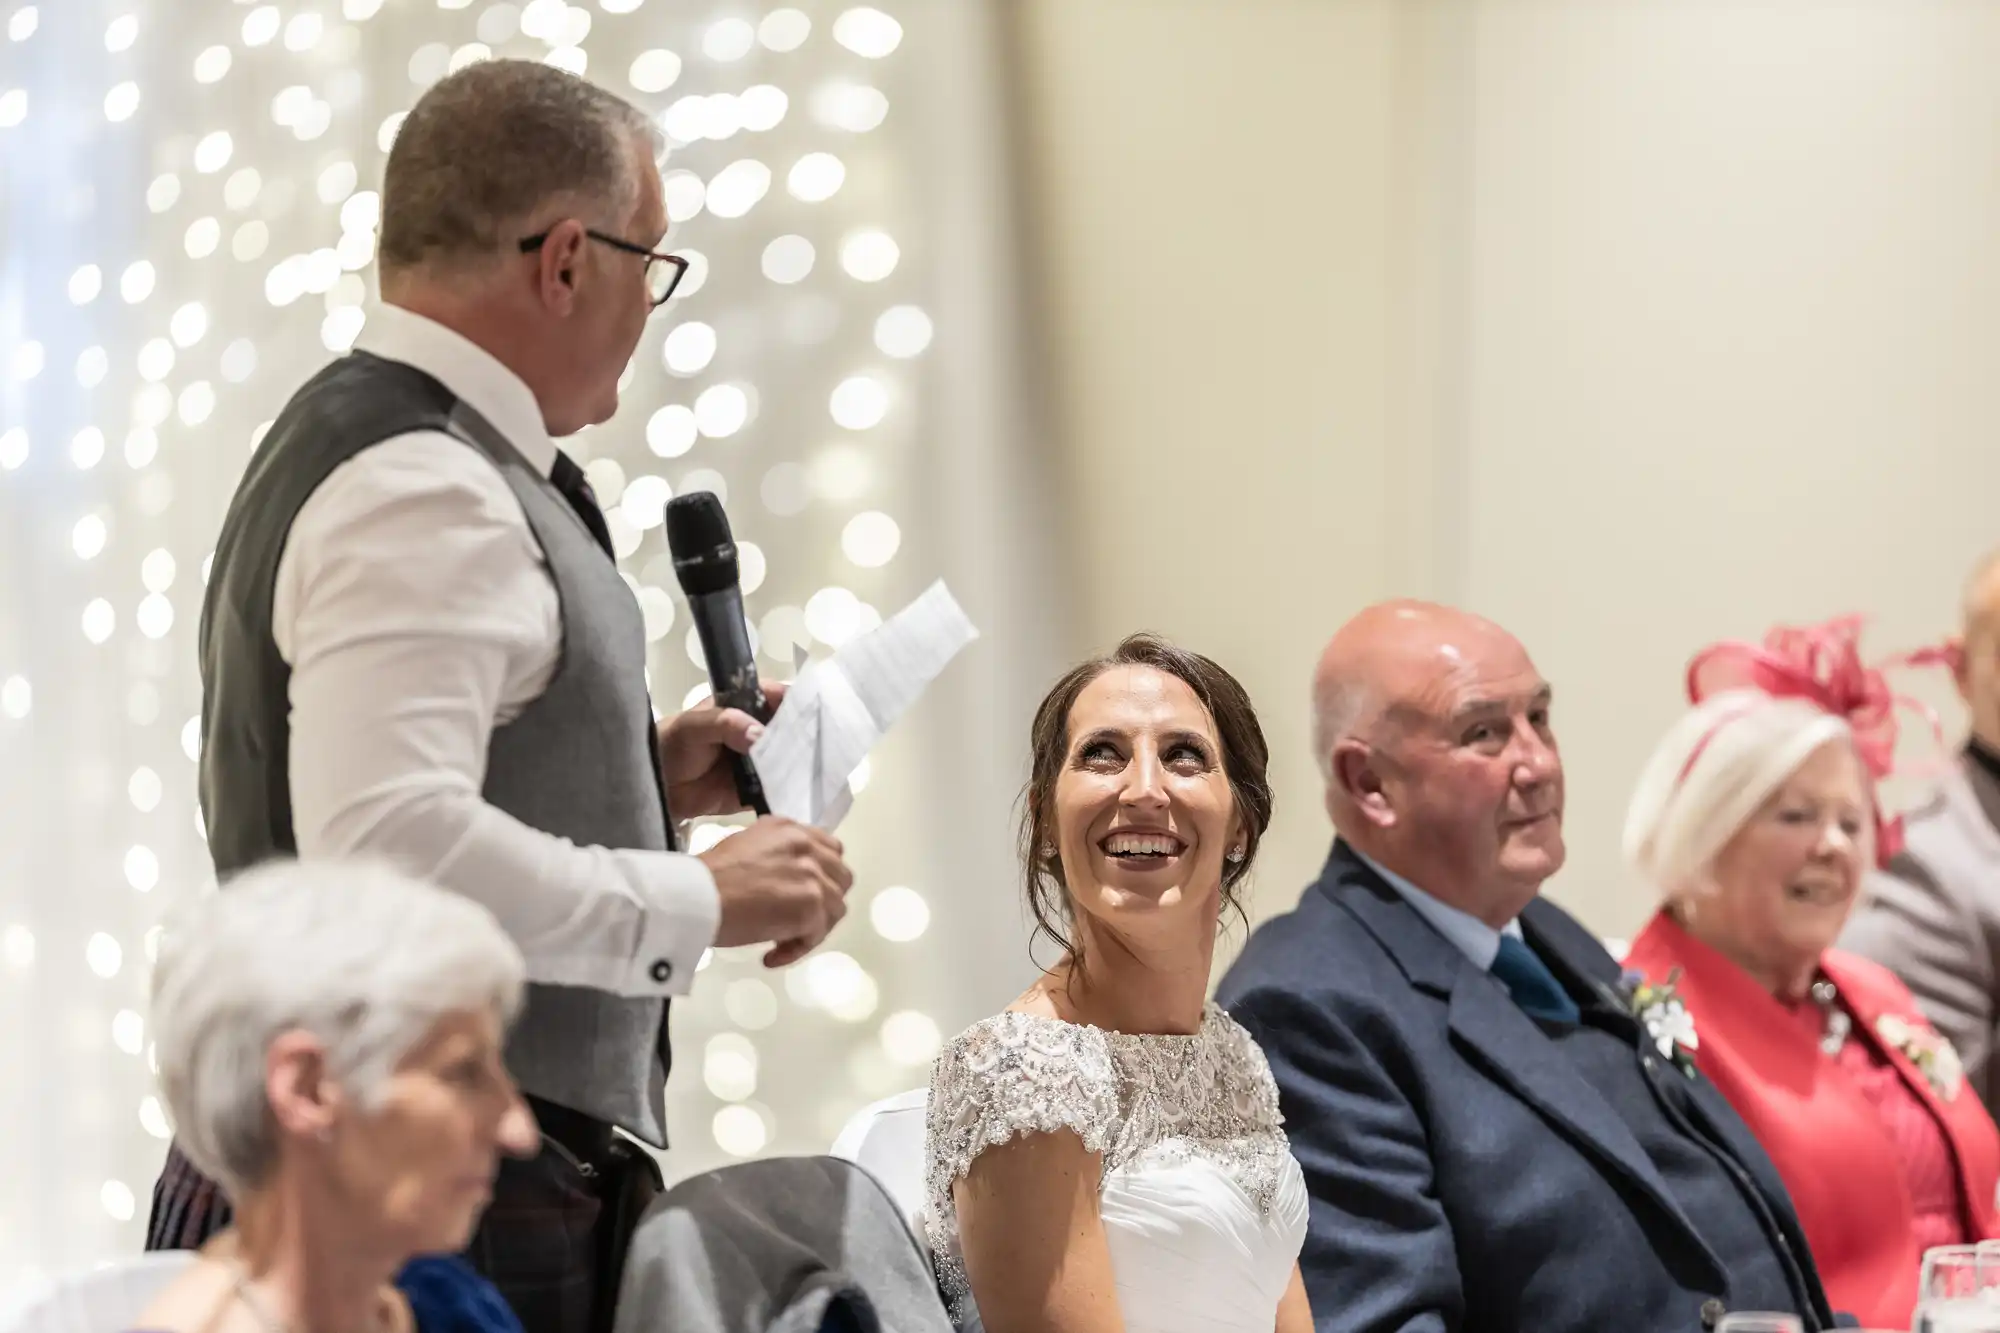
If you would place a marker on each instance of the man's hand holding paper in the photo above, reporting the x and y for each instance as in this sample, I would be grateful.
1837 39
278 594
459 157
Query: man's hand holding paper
783 876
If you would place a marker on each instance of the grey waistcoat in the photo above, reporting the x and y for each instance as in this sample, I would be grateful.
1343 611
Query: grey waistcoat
577 763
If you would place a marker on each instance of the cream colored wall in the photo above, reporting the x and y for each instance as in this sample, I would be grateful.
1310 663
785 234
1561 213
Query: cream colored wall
1731 328
1631 325
1214 307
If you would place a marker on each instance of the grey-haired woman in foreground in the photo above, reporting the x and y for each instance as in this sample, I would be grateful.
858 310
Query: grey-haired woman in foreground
329 1039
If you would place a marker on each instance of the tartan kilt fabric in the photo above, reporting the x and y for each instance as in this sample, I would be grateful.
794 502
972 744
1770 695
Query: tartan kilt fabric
188 1207
538 1244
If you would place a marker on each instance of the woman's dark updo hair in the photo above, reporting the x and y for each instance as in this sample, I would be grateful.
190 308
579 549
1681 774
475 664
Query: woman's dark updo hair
1245 758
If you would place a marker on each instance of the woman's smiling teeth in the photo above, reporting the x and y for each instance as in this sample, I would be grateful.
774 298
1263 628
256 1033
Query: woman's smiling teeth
1817 891
1141 846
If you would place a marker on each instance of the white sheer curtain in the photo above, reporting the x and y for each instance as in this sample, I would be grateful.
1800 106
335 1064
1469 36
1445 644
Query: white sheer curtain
187 228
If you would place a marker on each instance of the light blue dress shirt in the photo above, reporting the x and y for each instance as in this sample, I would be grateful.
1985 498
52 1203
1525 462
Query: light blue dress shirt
1471 936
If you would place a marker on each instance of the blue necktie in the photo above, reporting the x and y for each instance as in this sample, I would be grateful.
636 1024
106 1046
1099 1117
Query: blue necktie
1528 979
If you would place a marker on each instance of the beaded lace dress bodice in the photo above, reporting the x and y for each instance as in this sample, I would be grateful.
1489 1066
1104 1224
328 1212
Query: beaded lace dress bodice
1204 1208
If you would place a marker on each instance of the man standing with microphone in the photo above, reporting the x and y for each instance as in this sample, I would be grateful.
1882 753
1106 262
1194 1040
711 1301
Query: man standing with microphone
416 644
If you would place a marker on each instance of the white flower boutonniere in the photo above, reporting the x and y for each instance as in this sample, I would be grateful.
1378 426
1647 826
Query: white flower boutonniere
1926 1048
1666 1020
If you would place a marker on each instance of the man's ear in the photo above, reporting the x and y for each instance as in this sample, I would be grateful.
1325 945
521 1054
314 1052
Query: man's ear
558 260
1357 779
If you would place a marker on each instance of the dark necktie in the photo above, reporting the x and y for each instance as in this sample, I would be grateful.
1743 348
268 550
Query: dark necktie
568 478
1531 983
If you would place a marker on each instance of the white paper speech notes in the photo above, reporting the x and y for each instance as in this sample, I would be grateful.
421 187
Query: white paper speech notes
837 710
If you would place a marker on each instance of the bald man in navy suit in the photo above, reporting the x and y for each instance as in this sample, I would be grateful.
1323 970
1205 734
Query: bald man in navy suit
1492 1139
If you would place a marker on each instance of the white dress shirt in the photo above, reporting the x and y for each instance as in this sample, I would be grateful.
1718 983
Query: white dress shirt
417 614
1471 936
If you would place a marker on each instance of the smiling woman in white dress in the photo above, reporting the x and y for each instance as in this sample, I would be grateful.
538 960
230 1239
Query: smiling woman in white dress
1106 1156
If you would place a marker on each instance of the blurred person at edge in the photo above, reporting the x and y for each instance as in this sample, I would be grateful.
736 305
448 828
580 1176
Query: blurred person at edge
329 1038
1756 819
1932 916
416 644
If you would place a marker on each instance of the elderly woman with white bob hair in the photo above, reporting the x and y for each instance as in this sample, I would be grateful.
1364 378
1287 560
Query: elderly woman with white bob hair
1757 819
329 1039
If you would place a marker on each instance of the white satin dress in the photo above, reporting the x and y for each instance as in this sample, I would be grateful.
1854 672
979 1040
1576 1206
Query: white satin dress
1204 1207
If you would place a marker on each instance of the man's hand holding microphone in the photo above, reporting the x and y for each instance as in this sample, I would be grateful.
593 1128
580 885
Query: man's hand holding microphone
779 880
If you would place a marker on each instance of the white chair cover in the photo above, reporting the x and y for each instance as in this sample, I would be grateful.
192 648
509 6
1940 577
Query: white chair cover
107 1299
887 1141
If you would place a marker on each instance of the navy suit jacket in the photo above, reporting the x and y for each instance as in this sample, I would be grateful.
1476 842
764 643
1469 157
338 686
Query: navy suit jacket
1463 1175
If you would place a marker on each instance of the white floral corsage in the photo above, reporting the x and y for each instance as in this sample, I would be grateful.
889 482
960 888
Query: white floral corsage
1667 1022
1926 1048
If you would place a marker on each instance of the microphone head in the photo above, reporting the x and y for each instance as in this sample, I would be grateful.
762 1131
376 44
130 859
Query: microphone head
698 536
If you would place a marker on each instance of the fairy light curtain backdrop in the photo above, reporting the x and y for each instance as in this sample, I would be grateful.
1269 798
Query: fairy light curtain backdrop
190 215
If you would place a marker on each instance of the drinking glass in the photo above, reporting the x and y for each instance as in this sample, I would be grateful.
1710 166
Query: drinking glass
1959 1291
1760 1321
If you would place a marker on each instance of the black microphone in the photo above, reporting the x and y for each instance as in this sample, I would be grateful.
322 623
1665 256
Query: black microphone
705 563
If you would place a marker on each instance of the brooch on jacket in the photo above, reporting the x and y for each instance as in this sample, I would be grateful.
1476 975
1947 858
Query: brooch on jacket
1668 1024
1926 1048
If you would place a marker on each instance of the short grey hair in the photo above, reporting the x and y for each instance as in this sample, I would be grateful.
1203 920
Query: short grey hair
362 956
1339 708
1709 774
487 151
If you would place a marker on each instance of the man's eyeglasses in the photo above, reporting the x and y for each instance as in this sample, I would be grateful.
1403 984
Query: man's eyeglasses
663 271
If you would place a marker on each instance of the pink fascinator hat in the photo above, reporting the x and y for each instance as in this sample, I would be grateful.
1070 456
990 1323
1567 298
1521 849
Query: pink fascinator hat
1822 665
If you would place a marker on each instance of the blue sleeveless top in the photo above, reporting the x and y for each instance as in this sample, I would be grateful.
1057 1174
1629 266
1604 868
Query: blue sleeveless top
447 1295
